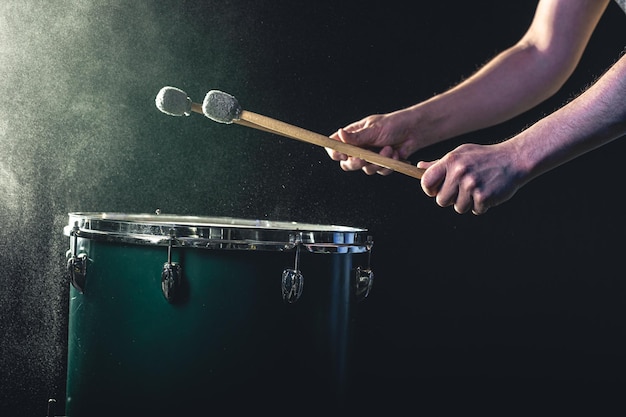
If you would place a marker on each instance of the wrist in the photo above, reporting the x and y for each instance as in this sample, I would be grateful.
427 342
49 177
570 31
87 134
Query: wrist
423 125
524 158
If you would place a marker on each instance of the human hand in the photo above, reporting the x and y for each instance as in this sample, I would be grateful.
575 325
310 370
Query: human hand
473 177
386 133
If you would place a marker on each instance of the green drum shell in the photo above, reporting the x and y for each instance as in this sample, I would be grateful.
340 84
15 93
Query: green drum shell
230 339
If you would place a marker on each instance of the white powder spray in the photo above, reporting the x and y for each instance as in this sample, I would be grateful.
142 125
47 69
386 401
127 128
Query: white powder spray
79 132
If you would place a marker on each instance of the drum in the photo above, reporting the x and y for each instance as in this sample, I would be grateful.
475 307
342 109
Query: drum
177 314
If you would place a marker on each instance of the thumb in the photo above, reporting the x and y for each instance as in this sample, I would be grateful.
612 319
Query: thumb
361 137
425 164
433 177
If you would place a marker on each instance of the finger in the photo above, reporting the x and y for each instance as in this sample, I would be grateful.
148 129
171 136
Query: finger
347 136
479 212
467 191
358 136
348 163
437 183
433 178
463 203
479 209
446 196
352 164
425 164
335 155
371 169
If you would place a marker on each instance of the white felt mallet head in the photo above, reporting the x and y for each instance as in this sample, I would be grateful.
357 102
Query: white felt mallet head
221 107
173 101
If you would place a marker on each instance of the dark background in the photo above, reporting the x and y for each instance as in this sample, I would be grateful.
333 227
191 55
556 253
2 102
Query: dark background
522 308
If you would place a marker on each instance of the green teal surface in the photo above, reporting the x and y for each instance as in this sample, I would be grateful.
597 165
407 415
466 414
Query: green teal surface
229 337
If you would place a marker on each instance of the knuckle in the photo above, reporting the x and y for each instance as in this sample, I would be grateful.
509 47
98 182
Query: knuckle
470 183
479 197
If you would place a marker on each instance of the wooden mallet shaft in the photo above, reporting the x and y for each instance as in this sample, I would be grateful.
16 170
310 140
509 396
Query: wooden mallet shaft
224 108
197 108
276 126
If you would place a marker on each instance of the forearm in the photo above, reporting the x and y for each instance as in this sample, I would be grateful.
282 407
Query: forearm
595 118
477 177
517 79
506 87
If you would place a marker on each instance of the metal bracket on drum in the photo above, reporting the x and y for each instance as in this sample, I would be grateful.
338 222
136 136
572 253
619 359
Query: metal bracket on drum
364 277
171 274
76 263
292 279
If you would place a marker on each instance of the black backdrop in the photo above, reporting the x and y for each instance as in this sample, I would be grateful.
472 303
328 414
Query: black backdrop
500 311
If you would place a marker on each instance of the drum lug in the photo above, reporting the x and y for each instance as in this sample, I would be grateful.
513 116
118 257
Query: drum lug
76 264
171 276
51 407
364 277
170 281
292 284
77 270
363 283
292 279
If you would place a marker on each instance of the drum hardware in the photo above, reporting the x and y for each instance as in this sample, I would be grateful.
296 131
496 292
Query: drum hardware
364 282
292 280
171 276
76 263
230 329
365 277
51 407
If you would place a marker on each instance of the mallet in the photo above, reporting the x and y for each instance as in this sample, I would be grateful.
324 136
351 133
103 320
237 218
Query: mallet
175 102
224 108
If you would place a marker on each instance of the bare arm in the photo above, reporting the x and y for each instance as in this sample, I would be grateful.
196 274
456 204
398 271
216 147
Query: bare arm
514 81
524 75
476 177
593 119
